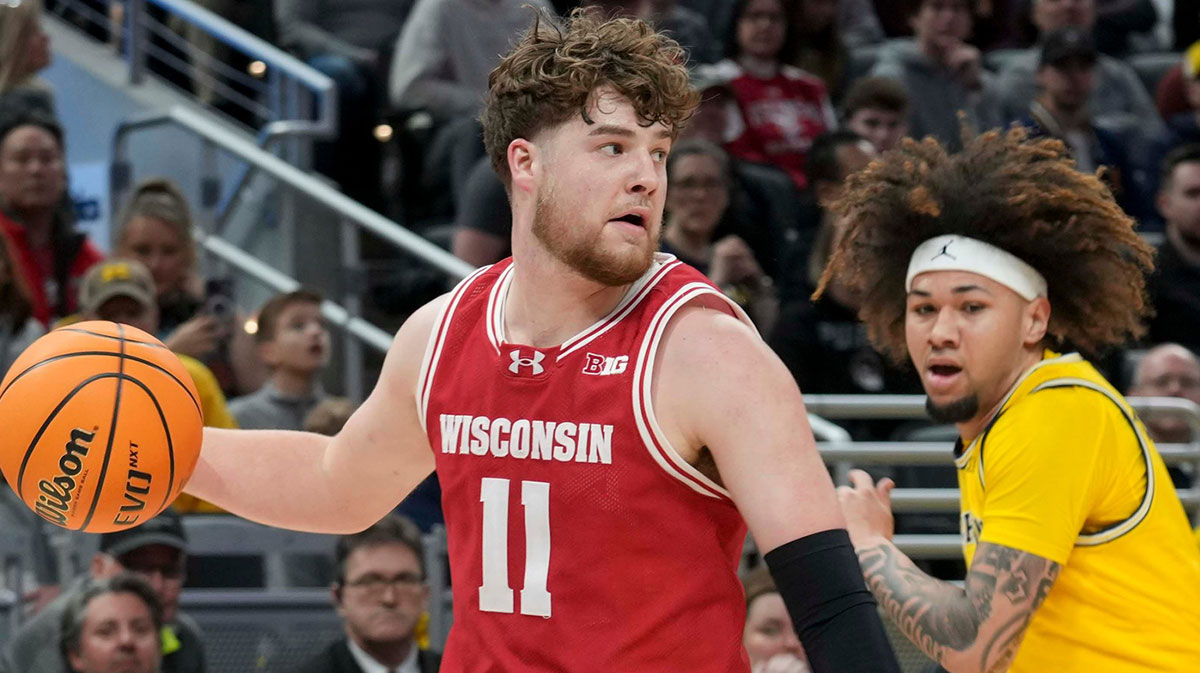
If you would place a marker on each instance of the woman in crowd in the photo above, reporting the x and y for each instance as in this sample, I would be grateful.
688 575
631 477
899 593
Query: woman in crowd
782 107
36 215
697 203
24 51
155 228
18 327
769 637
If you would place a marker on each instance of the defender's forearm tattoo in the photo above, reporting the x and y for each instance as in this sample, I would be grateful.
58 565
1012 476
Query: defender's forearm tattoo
942 618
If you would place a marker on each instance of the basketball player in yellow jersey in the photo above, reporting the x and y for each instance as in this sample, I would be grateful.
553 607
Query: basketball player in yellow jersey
979 267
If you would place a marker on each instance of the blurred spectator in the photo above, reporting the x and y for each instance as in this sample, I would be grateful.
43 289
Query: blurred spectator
769 637
294 342
36 215
782 107
1118 20
113 625
24 52
942 74
1174 286
381 595
1183 125
18 327
876 108
448 48
38 580
817 47
123 291
1066 78
483 219
858 23
1167 370
1118 92
351 41
700 177
155 228
823 343
688 27
156 551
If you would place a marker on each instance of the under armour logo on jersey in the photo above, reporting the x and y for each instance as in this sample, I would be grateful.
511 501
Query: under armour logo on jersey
534 362
600 365
945 251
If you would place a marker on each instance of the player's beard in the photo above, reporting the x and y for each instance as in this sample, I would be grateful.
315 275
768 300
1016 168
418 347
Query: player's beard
955 411
582 249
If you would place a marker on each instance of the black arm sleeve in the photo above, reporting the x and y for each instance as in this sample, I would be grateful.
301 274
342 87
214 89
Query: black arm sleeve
834 614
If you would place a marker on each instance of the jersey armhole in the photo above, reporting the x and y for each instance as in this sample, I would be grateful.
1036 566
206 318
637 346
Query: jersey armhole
437 339
653 438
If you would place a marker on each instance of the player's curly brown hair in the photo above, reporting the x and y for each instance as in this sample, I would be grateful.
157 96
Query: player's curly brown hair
1024 196
553 71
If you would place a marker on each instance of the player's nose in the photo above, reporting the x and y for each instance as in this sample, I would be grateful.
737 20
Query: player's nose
644 178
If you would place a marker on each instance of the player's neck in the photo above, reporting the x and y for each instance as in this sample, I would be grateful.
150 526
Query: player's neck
971 429
548 304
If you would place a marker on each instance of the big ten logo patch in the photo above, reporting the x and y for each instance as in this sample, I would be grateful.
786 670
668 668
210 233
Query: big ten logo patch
600 365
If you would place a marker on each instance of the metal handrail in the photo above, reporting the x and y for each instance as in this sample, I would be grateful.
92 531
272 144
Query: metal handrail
311 187
229 33
335 313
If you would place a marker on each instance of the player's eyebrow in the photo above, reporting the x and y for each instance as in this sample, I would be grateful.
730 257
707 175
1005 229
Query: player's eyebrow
614 130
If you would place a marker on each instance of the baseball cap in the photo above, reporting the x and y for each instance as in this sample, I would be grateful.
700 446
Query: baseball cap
116 278
1067 42
1191 61
165 529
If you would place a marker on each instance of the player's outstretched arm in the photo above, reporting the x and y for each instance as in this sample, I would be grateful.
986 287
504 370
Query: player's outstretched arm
975 628
721 388
304 481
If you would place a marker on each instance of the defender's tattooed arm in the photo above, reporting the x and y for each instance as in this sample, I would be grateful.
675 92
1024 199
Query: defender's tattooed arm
974 628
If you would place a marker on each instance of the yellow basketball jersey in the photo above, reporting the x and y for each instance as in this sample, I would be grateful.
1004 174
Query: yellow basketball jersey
1066 471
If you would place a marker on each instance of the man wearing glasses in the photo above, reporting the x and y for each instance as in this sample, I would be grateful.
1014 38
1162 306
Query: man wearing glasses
156 551
380 593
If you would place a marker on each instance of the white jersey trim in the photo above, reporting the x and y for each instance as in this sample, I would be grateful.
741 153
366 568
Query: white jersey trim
663 263
961 461
437 339
655 441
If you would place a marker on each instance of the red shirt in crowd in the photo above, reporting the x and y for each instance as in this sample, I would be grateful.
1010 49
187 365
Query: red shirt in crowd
37 266
780 117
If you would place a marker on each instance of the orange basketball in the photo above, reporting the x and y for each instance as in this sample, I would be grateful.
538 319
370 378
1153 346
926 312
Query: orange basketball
100 426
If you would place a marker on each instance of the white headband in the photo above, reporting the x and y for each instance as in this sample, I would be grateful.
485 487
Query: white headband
959 253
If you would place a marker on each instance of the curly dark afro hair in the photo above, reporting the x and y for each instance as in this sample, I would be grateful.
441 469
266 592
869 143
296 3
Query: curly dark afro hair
1024 196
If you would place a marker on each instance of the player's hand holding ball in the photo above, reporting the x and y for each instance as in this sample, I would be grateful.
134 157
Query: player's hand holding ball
868 508
100 427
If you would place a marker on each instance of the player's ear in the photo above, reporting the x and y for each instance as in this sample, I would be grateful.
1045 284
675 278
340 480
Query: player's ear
1037 320
523 162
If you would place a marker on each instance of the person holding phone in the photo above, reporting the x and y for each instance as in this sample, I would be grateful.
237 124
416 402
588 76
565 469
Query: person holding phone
155 228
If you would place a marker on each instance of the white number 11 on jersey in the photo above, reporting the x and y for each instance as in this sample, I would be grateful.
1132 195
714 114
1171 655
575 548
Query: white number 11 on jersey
495 595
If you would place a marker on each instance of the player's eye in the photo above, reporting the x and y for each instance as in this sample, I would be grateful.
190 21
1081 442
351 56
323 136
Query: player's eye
659 155
923 309
611 149
973 307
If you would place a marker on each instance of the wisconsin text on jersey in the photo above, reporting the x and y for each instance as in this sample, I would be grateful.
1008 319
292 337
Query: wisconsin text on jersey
526 439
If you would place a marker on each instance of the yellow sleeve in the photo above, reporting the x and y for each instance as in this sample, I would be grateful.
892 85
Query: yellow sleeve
216 415
1039 467
212 400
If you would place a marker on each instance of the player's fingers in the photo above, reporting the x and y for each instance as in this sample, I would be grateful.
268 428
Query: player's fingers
860 480
885 489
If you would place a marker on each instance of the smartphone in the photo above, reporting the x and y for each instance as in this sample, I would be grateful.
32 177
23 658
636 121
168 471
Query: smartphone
218 300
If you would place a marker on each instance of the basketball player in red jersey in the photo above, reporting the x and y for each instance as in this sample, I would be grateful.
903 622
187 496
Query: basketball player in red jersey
604 422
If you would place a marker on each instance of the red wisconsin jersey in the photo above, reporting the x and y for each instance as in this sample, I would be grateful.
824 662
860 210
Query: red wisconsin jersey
579 539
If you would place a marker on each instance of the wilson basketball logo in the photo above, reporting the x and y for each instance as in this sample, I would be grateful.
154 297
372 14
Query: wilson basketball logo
55 499
600 365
